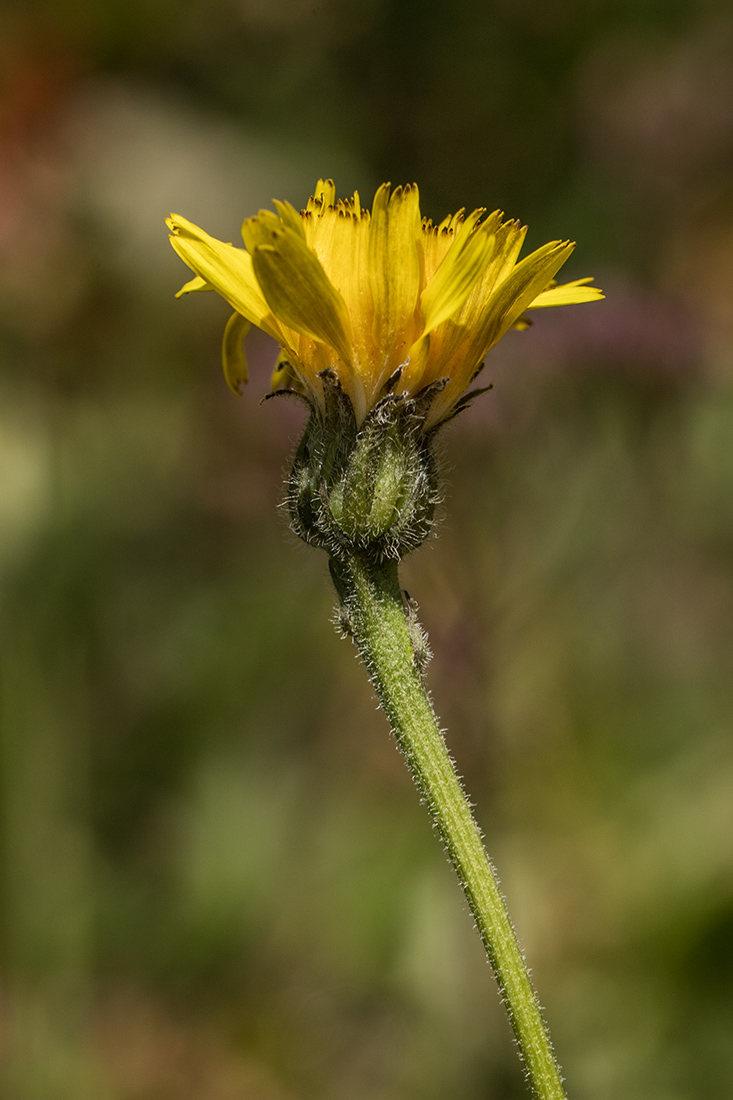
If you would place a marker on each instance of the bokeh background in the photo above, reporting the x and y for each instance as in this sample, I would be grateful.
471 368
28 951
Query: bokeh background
217 881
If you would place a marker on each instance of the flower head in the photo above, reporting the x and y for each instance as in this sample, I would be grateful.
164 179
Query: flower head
383 298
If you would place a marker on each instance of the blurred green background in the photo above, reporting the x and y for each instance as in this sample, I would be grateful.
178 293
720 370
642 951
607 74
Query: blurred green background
217 881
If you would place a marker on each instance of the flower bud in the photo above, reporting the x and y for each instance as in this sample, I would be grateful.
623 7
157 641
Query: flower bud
372 489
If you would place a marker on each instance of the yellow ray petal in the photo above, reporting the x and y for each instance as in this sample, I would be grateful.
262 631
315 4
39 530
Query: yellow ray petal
229 270
437 240
289 216
458 273
394 265
347 266
434 245
283 374
463 338
483 324
326 192
259 229
233 358
256 232
525 283
299 292
509 239
323 196
319 230
567 294
197 283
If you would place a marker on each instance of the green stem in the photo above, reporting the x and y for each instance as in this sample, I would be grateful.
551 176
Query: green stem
388 641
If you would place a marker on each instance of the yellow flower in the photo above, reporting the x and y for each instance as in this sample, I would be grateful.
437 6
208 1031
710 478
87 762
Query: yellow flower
384 298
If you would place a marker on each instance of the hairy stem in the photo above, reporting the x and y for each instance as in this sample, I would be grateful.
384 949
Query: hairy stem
375 613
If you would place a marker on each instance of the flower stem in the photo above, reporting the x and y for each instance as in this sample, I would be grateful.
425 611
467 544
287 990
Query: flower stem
389 641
